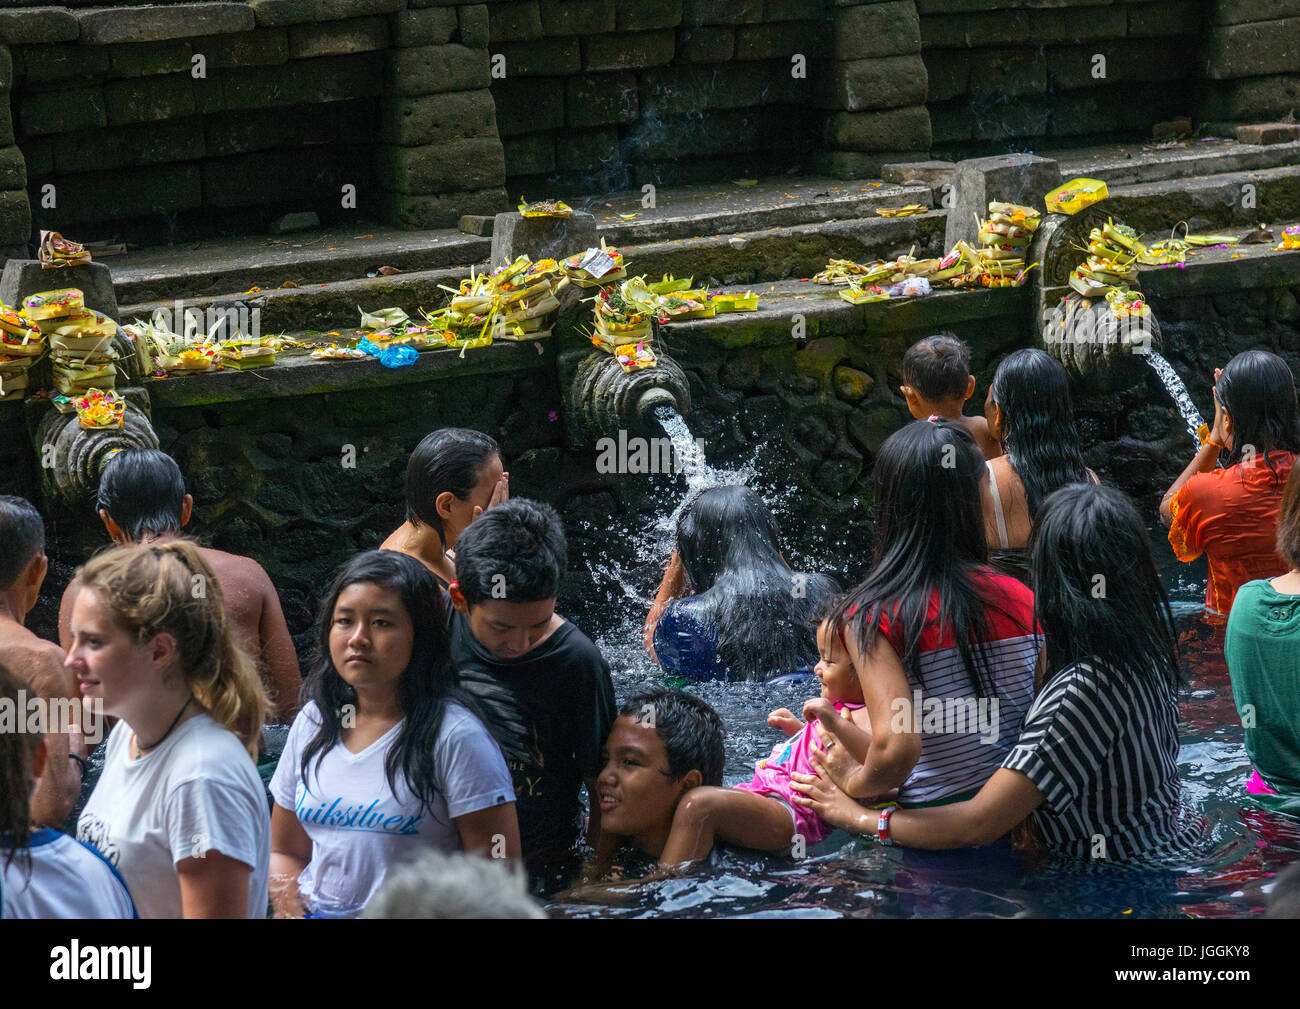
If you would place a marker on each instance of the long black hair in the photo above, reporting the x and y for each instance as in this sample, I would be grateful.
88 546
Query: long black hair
929 541
17 750
729 545
449 459
1039 435
425 687
1258 391
1096 592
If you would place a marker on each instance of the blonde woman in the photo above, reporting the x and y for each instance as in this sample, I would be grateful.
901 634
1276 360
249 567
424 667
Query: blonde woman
179 809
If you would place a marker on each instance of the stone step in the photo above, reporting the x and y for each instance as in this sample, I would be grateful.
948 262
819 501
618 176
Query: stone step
1126 165
749 258
236 265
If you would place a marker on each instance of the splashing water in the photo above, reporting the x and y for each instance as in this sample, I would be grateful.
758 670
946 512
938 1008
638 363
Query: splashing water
1177 392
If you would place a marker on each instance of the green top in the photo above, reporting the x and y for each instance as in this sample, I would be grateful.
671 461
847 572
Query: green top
1262 647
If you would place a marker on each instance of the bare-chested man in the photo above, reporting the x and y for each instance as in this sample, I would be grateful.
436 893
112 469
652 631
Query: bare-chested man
40 663
142 500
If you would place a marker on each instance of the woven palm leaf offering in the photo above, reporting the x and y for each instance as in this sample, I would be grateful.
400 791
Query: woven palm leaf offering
735 302
1003 239
1113 252
623 315
544 208
635 357
57 252
595 267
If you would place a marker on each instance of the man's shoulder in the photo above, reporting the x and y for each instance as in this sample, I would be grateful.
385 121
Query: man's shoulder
228 565
39 662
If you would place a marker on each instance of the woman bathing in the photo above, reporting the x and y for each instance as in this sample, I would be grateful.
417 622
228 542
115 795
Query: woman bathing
729 607
1230 514
452 477
1029 413
1096 758
932 625
1262 647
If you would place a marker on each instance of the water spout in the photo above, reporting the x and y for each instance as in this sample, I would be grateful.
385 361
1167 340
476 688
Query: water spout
1177 391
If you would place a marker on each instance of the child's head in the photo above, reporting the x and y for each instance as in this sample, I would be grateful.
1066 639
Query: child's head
936 373
509 564
663 743
834 668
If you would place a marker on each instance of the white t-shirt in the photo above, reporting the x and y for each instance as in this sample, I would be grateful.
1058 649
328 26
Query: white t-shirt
359 828
197 792
68 879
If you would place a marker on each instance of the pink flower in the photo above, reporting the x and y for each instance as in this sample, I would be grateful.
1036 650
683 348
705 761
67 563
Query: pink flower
553 416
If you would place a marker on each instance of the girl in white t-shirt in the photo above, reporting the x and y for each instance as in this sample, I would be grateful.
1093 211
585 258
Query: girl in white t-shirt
179 809
45 874
387 758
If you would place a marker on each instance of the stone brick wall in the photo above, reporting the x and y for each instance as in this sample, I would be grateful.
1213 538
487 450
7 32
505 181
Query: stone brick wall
874 89
608 94
1250 60
1010 72
181 118
175 120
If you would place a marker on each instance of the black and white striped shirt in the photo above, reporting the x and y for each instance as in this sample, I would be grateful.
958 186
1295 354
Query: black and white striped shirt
1102 747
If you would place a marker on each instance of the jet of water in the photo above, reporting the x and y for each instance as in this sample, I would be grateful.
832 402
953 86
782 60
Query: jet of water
1177 392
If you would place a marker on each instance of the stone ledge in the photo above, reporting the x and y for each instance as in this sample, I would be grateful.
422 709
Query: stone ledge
304 376
156 23
826 314
38 24
1215 271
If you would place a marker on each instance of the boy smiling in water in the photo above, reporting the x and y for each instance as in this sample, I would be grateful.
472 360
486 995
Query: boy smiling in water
664 744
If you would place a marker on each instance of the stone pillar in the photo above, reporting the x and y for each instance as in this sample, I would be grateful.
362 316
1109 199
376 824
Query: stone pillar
1250 60
1011 178
440 155
873 89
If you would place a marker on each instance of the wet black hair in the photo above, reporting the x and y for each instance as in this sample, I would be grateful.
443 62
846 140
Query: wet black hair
515 551
938 367
425 687
449 459
22 537
17 750
143 492
1097 595
729 544
929 541
1257 389
691 731
1038 431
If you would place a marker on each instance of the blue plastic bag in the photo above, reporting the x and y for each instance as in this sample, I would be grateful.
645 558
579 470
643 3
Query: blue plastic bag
397 357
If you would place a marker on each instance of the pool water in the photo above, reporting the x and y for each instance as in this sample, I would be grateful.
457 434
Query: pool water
851 877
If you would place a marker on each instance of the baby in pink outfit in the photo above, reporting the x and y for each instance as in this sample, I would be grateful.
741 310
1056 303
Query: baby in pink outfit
760 814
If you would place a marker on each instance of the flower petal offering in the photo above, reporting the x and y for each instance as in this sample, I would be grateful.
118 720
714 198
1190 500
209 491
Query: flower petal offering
98 408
